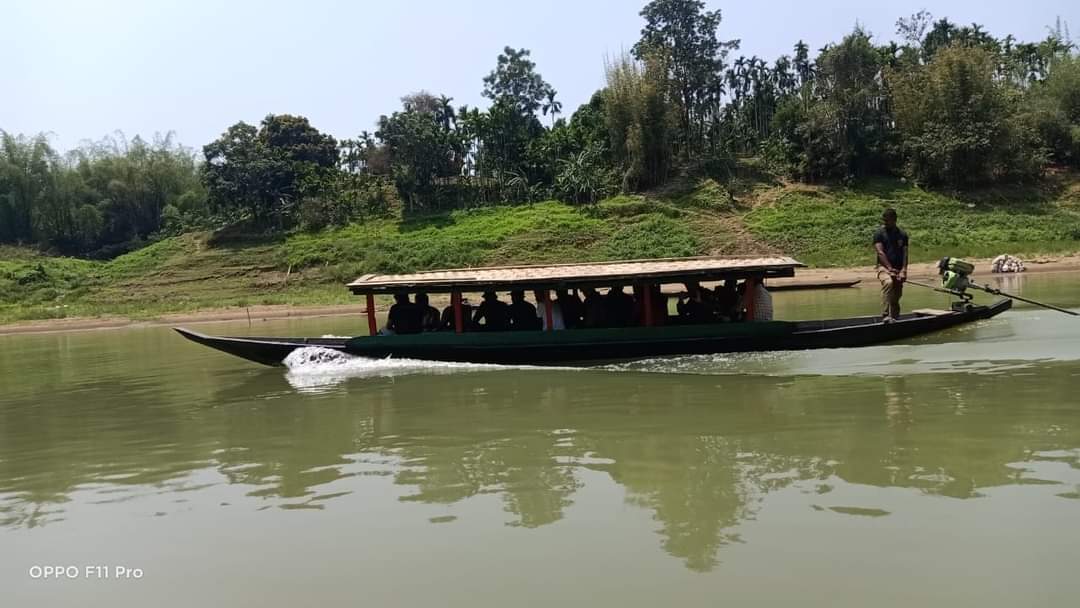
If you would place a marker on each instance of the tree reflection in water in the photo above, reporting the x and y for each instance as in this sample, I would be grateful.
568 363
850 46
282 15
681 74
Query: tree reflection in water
701 453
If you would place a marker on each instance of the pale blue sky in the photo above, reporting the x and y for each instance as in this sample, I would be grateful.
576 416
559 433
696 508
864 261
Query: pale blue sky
82 69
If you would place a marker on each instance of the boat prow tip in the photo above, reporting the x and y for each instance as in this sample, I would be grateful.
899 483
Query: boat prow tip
189 334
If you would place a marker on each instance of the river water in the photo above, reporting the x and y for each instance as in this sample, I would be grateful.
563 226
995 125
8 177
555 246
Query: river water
940 471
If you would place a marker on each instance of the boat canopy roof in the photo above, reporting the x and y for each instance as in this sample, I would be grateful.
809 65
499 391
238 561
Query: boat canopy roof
596 274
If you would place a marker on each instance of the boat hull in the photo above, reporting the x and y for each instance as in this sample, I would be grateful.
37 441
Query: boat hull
562 347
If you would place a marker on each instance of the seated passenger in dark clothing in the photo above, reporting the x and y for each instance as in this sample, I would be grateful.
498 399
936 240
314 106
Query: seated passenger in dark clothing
522 313
573 308
680 306
619 307
429 315
695 309
447 322
494 314
595 311
727 300
404 316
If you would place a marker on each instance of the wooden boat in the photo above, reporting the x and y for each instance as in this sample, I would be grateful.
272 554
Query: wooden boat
824 284
650 339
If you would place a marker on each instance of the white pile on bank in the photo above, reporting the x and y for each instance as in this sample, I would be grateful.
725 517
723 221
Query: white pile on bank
1007 263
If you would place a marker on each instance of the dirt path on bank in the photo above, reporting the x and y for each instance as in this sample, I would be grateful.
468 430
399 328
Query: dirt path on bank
867 274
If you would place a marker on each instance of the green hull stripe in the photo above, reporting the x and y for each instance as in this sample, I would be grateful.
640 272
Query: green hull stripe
574 336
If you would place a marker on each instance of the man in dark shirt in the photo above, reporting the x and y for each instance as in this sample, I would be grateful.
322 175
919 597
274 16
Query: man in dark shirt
448 323
619 307
573 309
522 313
891 245
695 308
429 315
494 313
595 310
404 316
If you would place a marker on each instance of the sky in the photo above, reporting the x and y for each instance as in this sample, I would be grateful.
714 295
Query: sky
83 70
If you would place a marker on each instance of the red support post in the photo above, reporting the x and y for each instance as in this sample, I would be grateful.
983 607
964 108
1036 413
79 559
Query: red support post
459 320
648 305
372 327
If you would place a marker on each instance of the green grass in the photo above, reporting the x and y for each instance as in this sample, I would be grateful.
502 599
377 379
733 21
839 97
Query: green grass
821 226
831 227
536 233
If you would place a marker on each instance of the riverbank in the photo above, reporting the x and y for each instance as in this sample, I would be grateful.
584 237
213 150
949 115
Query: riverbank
224 275
262 313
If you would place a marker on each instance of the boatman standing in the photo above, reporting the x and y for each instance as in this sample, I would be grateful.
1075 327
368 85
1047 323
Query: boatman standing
891 244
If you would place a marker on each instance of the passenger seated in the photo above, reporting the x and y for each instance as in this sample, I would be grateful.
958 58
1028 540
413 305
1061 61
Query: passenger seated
404 317
447 322
763 310
494 313
429 315
659 303
619 307
727 301
680 306
595 311
541 312
694 309
522 314
572 308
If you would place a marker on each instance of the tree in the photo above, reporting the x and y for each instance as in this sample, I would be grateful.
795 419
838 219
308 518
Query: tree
849 78
1052 109
681 35
420 145
266 170
516 81
27 167
517 91
912 29
551 105
958 122
640 121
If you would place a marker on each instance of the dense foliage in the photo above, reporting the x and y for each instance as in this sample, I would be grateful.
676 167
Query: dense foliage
944 105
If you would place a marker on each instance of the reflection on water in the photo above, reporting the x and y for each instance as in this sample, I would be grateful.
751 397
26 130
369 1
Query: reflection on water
700 454
712 458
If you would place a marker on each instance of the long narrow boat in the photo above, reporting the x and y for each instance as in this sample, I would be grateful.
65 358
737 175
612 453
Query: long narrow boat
650 339
815 285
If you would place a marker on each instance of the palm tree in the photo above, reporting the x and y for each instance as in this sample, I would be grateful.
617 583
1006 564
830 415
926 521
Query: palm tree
444 112
802 62
551 105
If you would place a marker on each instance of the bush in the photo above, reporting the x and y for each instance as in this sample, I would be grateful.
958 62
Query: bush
806 141
958 124
584 177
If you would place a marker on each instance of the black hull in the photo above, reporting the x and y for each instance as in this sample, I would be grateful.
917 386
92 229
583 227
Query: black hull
814 286
610 344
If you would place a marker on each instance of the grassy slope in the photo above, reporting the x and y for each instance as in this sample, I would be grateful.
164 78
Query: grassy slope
824 227
819 225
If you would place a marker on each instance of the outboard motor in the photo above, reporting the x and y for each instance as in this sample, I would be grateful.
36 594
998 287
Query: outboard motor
955 274
956 278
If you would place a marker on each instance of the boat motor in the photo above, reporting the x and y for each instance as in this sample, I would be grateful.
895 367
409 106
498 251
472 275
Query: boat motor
955 279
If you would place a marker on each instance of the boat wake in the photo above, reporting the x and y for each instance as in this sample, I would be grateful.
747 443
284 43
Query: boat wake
315 368
999 346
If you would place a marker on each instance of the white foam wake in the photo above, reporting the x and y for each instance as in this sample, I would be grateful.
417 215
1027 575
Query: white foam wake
315 368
